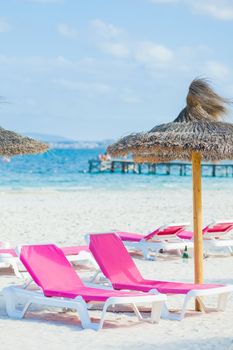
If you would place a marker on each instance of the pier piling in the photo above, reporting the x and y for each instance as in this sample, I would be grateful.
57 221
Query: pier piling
172 168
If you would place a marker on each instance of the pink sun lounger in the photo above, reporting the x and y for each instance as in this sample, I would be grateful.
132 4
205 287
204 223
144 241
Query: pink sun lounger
60 286
120 269
163 238
215 235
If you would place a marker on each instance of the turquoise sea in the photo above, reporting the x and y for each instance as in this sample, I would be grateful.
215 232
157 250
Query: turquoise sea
66 169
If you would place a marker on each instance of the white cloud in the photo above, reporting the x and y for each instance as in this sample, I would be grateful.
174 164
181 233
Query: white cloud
152 53
99 88
67 31
222 10
217 70
218 9
115 42
107 30
164 1
110 39
46 64
116 49
46 1
4 26
128 96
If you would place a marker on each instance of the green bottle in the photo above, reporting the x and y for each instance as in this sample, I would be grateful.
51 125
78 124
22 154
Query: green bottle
185 255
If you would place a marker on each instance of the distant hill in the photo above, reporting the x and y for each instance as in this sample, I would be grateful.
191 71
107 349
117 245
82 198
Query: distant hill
61 142
47 138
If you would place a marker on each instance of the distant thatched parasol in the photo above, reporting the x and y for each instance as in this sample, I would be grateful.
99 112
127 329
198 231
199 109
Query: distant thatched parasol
196 134
12 144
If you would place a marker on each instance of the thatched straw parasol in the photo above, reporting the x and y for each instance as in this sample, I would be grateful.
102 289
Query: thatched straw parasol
196 134
12 144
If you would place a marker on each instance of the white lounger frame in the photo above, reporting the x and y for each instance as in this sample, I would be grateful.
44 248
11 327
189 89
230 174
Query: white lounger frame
172 242
223 294
7 260
83 257
13 295
217 244
166 242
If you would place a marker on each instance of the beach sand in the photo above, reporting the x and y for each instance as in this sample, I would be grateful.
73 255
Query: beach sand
63 217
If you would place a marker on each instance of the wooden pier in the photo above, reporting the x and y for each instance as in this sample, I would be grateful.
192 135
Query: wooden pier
171 168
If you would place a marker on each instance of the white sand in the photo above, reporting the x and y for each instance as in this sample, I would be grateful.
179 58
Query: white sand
64 217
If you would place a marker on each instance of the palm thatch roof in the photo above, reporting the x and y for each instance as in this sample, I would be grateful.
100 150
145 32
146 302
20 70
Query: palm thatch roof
12 144
198 128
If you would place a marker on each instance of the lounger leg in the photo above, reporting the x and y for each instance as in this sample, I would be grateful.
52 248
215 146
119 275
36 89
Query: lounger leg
156 311
184 308
11 302
221 305
166 314
94 278
147 255
222 301
137 312
16 270
230 250
100 325
81 308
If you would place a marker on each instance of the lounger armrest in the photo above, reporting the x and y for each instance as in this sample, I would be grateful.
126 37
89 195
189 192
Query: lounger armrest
211 291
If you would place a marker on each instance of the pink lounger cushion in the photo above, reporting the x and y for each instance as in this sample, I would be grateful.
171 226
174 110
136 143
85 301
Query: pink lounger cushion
118 266
185 235
75 250
219 227
130 237
9 251
51 271
137 237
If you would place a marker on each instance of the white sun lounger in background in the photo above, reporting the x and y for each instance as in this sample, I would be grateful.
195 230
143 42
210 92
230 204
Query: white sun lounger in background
163 238
217 236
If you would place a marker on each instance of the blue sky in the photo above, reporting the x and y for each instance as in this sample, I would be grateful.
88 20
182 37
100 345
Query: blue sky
97 69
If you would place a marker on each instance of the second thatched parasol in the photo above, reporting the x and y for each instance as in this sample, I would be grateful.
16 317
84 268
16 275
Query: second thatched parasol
196 134
12 144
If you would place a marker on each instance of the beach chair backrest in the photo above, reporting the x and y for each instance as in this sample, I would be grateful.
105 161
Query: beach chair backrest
113 258
219 227
49 268
166 232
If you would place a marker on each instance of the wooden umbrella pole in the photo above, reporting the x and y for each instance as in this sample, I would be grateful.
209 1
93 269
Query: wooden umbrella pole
197 221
